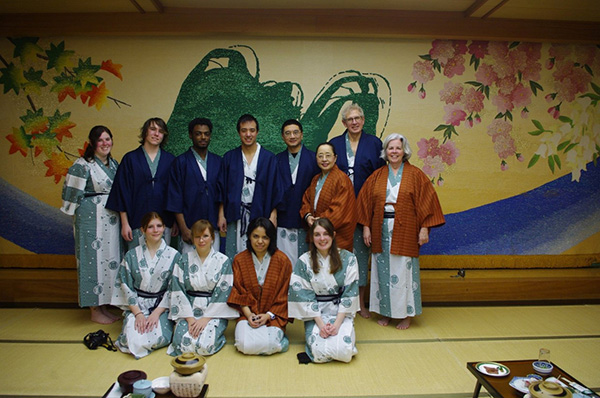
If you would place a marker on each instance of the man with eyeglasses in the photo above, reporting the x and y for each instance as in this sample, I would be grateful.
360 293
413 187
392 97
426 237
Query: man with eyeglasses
359 156
296 166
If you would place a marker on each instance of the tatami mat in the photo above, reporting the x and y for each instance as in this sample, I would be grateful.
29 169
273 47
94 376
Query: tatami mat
427 360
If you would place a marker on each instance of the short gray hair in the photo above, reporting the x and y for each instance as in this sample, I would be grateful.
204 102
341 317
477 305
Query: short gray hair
405 146
353 106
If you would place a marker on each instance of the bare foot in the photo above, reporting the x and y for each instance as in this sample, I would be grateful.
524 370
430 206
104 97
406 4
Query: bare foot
99 317
364 313
403 324
106 312
384 321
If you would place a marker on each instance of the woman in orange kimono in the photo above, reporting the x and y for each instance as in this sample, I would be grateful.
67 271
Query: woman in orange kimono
397 206
331 195
261 277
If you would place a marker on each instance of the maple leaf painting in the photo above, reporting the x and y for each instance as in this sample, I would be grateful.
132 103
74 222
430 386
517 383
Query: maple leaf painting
20 141
58 165
12 78
85 74
60 125
60 71
45 142
35 122
27 49
59 58
34 81
64 86
98 95
110 67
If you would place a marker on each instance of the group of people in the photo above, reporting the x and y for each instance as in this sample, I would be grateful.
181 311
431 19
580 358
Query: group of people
300 229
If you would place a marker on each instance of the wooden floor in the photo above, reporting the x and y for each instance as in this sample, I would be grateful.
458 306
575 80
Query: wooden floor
41 354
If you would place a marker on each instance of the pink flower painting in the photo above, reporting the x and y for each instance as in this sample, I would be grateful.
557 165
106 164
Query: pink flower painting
507 79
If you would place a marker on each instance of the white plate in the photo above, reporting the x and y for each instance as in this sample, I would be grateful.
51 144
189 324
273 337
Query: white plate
494 369
521 384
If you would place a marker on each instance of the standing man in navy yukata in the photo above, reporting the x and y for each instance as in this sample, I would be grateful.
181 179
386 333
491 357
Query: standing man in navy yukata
248 187
358 156
141 183
296 167
192 193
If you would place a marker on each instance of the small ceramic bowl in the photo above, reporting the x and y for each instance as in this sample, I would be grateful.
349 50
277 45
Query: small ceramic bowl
543 367
161 385
126 380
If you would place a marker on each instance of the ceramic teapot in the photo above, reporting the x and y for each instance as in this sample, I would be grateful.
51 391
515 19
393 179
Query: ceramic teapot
189 375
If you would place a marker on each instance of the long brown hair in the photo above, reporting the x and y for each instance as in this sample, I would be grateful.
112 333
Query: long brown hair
93 138
335 260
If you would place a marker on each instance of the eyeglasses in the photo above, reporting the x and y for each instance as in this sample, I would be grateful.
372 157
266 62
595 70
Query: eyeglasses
289 133
354 119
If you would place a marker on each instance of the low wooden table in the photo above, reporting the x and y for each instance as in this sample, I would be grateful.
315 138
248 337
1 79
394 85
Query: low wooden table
498 387
167 395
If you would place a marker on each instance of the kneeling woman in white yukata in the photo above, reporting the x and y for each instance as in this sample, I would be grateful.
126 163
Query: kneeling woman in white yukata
261 276
199 290
140 290
324 294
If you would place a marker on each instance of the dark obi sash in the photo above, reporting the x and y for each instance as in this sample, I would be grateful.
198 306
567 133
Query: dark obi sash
158 296
198 294
388 214
335 298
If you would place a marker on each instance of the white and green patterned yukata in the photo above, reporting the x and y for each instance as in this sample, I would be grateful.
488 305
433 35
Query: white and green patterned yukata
97 230
395 280
305 304
140 272
360 250
201 290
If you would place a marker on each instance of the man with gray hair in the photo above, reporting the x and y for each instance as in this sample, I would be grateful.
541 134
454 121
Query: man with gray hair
358 156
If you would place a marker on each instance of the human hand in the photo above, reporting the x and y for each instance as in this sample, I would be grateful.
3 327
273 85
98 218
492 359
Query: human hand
196 326
152 321
423 236
332 329
222 224
261 319
186 235
367 236
126 232
140 323
323 333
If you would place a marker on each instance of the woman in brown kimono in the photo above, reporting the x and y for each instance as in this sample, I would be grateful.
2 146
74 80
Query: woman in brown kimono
331 195
261 277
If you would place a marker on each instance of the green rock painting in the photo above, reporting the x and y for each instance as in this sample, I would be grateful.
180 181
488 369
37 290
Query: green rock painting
222 88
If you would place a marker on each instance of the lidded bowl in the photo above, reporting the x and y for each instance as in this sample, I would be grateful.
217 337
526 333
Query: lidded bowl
188 363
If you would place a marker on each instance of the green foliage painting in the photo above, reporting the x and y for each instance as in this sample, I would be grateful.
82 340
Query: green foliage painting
222 88
31 72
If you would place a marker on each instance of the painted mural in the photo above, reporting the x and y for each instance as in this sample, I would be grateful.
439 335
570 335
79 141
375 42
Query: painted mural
531 106
507 80
221 87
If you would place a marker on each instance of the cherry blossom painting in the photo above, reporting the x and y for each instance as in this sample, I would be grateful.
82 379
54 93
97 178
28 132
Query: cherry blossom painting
510 77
